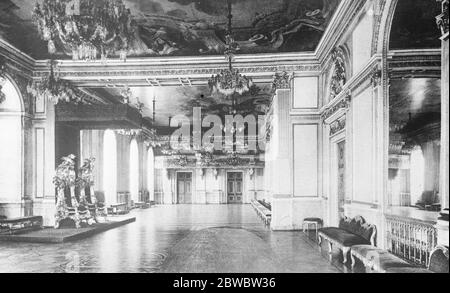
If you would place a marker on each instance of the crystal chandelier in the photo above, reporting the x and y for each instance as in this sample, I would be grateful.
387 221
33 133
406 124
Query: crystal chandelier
89 28
54 89
230 81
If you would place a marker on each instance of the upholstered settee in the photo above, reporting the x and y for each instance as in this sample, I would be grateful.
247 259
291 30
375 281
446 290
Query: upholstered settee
349 233
379 260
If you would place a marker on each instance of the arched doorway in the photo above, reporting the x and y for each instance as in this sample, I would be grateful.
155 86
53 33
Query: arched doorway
134 171
11 154
110 167
151 173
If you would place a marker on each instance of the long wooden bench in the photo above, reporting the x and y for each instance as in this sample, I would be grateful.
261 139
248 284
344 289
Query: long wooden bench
20 225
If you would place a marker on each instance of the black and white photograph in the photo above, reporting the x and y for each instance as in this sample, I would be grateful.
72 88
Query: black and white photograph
224 143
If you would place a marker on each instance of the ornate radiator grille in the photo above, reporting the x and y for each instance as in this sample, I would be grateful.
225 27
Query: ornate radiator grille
410 239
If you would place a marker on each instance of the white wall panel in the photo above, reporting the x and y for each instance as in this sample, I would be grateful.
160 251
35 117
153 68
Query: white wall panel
305 94
363 147
305 160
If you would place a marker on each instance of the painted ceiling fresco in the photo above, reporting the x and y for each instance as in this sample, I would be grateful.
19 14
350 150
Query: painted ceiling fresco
195 27
414 25
172 101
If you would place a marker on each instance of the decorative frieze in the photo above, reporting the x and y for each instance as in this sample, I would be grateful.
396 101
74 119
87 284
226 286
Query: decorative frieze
442 19
231 160
337 126
342 104
282 80
126 71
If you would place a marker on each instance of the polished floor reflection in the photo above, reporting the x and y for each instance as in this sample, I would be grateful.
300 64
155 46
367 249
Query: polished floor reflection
181 238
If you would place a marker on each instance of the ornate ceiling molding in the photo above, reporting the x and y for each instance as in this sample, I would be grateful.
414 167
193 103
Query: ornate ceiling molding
148 73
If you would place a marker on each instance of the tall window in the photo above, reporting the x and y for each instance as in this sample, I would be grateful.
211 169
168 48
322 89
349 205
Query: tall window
151 173
134 171
10 144
110 167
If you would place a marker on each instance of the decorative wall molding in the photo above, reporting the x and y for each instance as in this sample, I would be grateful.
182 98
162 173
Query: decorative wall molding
184 161
442 19
337 126
379 6
342 104
339 74
282 80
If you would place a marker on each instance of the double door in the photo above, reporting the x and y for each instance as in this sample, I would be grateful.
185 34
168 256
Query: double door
184 187
234 187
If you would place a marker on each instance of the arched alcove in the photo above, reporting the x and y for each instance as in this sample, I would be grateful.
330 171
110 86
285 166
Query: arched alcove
11 145
110 167
151 173
134 171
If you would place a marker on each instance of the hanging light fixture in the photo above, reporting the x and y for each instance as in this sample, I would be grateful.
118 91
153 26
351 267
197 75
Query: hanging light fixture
89 28
229 81
54 89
